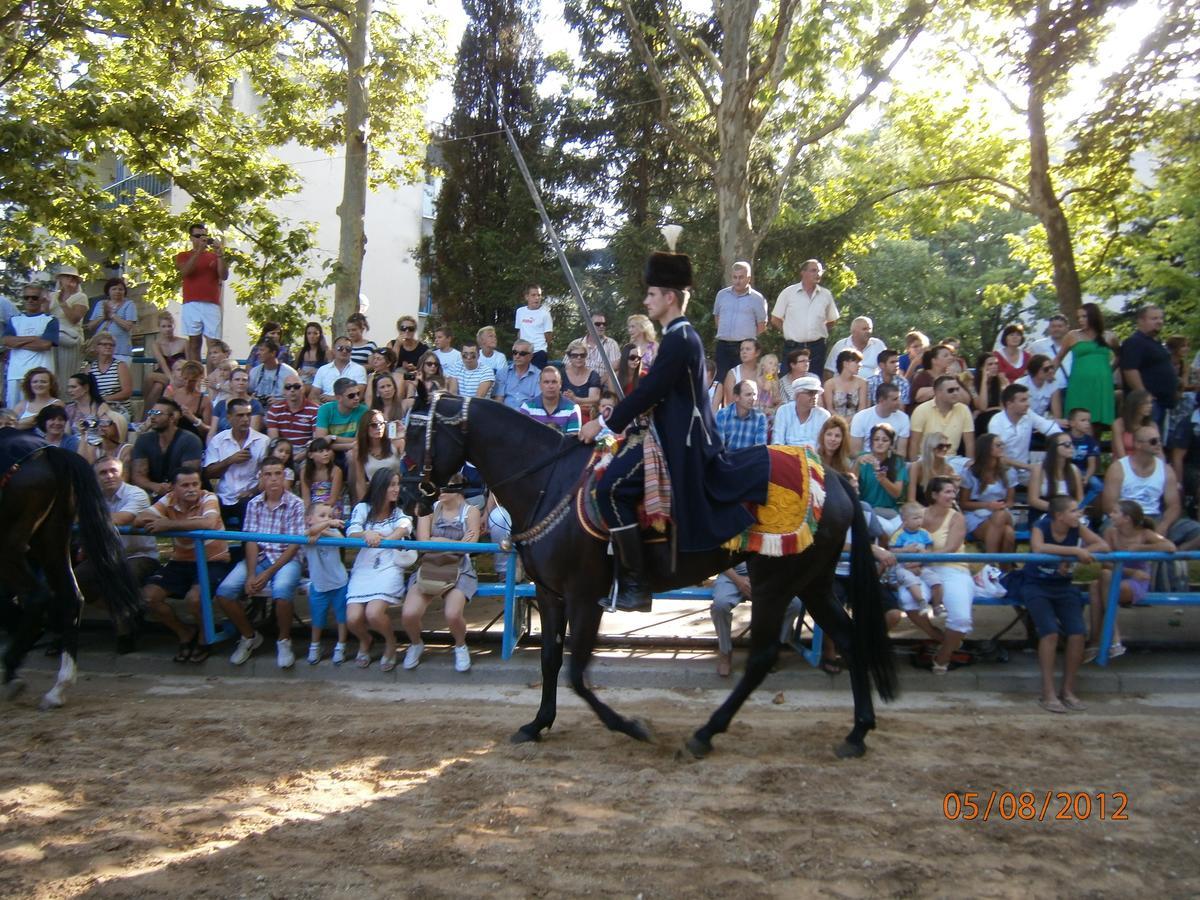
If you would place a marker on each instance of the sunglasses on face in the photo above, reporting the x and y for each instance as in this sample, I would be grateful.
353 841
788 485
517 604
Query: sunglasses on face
635 359
33 297
522 352
342 348
291 387
156 412
378 424
1153 442
408 328
577 355
600 324
942 447
353 396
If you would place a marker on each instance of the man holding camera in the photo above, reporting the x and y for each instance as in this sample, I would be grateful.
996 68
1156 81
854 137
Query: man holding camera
202 269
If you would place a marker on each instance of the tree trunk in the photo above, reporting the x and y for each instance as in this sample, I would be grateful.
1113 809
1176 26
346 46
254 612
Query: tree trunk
735 131
1045 205
352 242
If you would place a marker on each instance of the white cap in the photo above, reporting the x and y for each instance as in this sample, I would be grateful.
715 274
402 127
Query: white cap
808 383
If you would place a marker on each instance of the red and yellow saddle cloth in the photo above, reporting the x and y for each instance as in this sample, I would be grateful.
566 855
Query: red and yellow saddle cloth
787 523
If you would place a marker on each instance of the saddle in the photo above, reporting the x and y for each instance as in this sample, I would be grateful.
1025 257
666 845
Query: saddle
654 511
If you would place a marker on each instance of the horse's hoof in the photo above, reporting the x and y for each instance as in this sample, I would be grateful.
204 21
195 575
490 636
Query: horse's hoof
640 730
694 748
48 703
13 689
850 750
522 736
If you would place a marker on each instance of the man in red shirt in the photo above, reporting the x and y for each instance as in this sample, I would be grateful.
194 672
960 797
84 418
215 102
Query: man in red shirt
202 268
293 418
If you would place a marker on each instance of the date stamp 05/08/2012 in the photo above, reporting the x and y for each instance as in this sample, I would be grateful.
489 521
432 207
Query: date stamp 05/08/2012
1031 806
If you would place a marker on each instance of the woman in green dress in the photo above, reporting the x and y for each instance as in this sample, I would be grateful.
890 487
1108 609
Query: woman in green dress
1090 384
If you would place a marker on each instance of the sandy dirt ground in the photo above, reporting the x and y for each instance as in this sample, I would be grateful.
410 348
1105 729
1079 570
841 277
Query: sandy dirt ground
155 787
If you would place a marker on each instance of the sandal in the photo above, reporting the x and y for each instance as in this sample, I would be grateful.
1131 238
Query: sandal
200 653
387 663
1052 706
362 660
1073 703
831 665
186 649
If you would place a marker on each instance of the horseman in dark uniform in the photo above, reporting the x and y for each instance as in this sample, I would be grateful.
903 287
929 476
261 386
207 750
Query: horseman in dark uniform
708 484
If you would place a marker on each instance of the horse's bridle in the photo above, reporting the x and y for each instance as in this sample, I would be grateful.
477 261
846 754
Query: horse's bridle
425 485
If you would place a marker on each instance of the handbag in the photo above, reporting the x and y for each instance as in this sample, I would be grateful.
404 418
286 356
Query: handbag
438 573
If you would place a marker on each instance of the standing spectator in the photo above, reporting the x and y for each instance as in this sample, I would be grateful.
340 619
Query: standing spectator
741 424
407 347
447 575
384 395
797 367
1146 364
377 580
988 493
443 346
534 324
1085 450
1015 426
580 382
1057 327
935 363
488 354
69 306
519 380
231 463
1055 475
168 350
948 529
115 315
39 389
238 389
267 378
989 385
642 335
196 412
882 472
313 354
159 453
341 367
739 312
374 450
1137 409
551 407
84 402
948 414
339 419
1044 396
1011 355
888 373
360 347
805 312
474 378
746 368
932 463
862 340
111 374
271 331
799 423
327 581
1089 364
886 411
203 268
30 337
107 440
267 566
1053 602
833 446
1185 457
915 345
186 507
294 417
608 349
846 392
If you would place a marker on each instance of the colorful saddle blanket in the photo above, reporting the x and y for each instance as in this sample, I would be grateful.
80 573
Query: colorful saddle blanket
787 523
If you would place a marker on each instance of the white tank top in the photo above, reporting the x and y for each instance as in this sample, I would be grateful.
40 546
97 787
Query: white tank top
1147 491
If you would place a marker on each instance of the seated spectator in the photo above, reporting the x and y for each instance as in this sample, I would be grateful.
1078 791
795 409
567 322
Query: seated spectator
377 580
1185 457
731 588
1129 531
797 367
271 331
476 379
1144 477
84 403
799 423
488 354
39 389
361 347
238 389
220 378
1045 398
608 402
107 439
770 394
987 495
915 345
341 367
339 420
1055 475
374 450
267 378
947 527
741 424
294 418
935 362
986 390
882 473
919 591
1136 409
629 371
231 464
407 347
327 581
948 414
281 449
846 393
1013 358
886 411
268 566
1053 601
320 478
195 408
125 502
1085 450
160 452
889 373
1014 427
381 361
933 463
833 446
218 354
746 369
580 383
443 348
518 381
386 395
552 408
51 426
447 575
862 342
186 507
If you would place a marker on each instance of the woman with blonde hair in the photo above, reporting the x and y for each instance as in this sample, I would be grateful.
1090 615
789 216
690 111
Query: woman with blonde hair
579 382
196 410
770 389
641 333
107 439
931 464
39 388
430 373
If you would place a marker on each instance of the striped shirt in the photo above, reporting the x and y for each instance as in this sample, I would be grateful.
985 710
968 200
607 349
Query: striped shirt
565 418
286 517
739 433
469 380
297 426
899 381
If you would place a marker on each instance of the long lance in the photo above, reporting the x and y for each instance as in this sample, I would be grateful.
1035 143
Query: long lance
558 248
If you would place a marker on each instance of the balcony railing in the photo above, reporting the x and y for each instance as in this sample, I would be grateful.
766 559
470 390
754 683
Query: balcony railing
124 191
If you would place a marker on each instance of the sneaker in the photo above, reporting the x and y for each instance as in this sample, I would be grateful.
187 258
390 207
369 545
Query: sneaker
246 646
462 659
284 655
412 656
1117 649
314 654
339 654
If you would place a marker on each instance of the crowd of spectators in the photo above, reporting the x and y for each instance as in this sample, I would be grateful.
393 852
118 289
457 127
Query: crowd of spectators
309 440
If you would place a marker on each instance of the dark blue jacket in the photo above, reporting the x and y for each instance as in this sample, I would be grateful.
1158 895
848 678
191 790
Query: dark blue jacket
708 483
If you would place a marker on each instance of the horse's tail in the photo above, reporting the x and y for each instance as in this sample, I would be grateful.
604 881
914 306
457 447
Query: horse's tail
100 539
866 603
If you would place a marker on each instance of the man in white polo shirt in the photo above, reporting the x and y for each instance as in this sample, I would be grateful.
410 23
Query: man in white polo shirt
805 312
1014 426
886 410
862 340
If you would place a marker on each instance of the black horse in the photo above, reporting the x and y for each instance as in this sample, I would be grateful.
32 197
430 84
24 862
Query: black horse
42 491
534 472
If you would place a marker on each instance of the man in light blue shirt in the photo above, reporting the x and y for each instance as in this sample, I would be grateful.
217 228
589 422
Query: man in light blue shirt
518 382
740 313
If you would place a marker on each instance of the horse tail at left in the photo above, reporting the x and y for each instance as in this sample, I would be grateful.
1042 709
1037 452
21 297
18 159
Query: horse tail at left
866 603
100 540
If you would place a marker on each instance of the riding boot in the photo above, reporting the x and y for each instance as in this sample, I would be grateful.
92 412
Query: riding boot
633 594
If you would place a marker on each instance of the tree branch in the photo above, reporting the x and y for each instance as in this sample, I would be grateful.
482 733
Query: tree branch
982 72
678 43
328 27
772 64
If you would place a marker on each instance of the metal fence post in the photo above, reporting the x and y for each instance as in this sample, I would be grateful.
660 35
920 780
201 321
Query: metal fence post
1112 602
510 607
206 610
